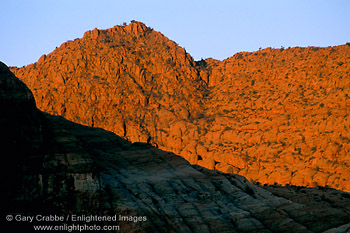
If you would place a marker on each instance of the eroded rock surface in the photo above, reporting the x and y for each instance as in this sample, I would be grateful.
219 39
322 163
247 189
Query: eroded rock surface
83 170
273 116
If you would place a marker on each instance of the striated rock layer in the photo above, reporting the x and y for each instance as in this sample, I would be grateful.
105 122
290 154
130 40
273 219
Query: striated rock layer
76 169
274 116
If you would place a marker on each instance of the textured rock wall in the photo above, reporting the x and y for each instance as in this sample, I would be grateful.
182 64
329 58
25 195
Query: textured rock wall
84 170
274 116
43 169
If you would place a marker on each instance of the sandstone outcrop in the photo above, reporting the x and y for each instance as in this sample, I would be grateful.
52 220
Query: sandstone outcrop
77 169
273 116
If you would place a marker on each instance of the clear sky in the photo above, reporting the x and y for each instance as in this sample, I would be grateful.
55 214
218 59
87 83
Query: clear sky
216 29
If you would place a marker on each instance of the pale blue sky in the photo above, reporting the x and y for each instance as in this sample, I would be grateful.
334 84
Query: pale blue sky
216 29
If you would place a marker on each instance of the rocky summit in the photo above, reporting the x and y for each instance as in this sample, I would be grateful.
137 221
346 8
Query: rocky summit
275 116
56 168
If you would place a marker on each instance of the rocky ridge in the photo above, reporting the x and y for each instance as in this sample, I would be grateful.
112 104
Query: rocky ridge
274 116
84 170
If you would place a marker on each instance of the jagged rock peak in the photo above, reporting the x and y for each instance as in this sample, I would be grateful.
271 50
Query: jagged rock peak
134 27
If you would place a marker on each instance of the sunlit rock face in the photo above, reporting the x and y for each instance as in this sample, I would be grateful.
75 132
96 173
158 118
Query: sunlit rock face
74 169
274 116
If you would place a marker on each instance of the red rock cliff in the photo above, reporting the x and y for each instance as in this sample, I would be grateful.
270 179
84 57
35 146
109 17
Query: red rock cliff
274 116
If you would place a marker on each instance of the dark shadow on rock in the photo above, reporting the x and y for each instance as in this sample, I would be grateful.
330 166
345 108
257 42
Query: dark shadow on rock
92 171
70 169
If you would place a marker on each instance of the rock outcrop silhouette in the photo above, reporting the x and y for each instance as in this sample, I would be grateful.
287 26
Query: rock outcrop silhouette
74 169
274 116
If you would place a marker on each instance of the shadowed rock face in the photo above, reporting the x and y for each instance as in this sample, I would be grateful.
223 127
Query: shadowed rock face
19 118
83 170
273 116
21 128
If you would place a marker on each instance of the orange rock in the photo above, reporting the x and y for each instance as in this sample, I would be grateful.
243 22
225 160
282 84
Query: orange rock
275 116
